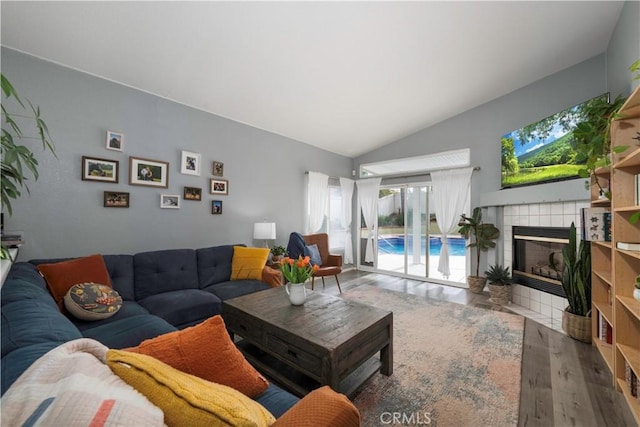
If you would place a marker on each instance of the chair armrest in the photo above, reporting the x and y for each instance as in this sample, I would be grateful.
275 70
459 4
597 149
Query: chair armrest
322 407
271 276
334 260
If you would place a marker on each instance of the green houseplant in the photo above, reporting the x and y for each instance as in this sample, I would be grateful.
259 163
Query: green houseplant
18 160
576 282
481 237
277 253
499 279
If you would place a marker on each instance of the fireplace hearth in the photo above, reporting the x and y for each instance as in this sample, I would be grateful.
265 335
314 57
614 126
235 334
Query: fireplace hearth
537 257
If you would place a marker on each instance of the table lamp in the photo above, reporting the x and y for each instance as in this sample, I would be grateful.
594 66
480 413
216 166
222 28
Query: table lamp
264 231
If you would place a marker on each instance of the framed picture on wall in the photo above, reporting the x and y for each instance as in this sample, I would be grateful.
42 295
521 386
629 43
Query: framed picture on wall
101 170
190 163
116 199
218 168
115 140
192 193
216 207
219 186
170 201
151 173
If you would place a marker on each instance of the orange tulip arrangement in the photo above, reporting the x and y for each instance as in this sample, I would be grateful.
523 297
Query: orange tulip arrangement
297 271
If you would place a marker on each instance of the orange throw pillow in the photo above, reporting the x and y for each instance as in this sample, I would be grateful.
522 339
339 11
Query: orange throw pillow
61 276
206 351
321 407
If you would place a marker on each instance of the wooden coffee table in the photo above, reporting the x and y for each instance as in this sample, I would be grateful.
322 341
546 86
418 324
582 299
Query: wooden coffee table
326 341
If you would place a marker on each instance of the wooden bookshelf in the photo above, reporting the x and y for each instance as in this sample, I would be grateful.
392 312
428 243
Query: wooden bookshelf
614 270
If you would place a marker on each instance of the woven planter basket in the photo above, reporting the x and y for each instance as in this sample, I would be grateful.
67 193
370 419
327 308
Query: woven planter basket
500 295
577 327
476 284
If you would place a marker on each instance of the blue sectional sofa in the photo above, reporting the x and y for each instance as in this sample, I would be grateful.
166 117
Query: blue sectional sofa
162 291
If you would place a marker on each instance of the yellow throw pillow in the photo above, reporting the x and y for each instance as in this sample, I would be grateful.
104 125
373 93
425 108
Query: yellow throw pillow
248 263
186 400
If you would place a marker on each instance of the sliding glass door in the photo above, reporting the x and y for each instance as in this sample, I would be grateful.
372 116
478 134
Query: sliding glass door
407 238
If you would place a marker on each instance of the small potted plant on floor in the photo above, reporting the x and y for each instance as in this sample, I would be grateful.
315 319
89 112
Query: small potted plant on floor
482 237
277 252
499 279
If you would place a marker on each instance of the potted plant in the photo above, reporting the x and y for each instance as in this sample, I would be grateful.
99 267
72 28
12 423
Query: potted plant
499 279
482 237
277 252
16 159
636 289
576 282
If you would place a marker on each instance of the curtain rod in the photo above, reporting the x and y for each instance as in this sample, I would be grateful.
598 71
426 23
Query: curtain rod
475 168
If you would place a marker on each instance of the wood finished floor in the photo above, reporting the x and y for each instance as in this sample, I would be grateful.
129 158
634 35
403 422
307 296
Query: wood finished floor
564 382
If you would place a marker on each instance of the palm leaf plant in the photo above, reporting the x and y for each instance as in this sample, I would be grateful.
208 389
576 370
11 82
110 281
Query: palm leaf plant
18 160
576 275
481 235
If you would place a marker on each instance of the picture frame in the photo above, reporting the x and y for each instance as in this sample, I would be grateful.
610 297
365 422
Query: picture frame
170 201
192 193
219 186
115 140
216 207
116 199
190 163
100 170
148 172
218 168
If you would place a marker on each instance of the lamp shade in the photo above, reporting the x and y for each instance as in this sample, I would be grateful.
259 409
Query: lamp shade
264 230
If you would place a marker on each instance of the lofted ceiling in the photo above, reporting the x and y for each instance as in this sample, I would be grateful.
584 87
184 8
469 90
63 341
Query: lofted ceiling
347 77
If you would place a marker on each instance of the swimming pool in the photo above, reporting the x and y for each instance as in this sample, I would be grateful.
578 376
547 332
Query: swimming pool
395 245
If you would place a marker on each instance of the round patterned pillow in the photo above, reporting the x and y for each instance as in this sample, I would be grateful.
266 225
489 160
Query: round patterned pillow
92 301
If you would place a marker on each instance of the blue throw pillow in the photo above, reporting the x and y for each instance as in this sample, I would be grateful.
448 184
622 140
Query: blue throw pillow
312 252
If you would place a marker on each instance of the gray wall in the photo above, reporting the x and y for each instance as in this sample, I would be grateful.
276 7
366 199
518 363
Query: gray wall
624 50
64 215
480 129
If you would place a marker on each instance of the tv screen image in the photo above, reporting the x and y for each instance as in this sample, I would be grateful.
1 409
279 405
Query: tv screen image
542 151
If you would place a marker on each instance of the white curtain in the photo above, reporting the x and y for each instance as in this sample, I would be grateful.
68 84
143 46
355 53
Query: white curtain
368 190
450 192
346 188
317 192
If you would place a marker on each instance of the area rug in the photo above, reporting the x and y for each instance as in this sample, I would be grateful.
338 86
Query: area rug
454 365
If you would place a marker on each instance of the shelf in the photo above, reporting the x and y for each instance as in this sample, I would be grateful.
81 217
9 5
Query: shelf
632 356
632 254
632 306
606 350
601 203
634 403
631 209
605 276
630 160
607 312
601 243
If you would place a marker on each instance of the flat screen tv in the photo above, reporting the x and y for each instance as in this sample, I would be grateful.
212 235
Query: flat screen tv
542 151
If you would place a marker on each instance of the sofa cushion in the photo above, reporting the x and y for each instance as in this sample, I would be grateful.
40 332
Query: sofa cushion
128 332
92 301
186 400
30 322
72 385
61 276
25 283
206 351
248 263
16 362
128 309
236 288
120 269
214 264
164 271
183 307
276 400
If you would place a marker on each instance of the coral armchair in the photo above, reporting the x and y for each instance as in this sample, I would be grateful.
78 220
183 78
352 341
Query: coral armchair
331 264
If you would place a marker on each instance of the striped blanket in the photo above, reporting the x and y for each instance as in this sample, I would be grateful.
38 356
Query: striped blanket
72 386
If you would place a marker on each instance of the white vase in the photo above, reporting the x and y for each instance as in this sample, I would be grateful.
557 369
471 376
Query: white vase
297 293
636 294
